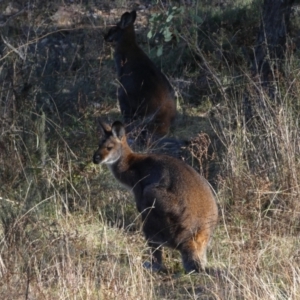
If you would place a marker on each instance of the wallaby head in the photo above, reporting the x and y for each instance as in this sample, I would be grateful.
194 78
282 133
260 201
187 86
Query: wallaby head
117 32
177 206
144 93
111 143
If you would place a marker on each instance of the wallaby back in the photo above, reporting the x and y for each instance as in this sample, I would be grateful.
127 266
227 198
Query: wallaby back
144 92
177 206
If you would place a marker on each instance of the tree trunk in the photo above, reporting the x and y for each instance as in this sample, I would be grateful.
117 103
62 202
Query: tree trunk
271 39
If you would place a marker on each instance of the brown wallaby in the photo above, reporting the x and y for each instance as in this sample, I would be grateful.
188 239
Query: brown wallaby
144 92
177 205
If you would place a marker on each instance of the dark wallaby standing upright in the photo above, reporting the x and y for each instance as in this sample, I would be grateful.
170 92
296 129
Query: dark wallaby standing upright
177 205
144 92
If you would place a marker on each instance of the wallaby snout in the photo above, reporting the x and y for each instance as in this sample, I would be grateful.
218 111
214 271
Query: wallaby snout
177 205
96 158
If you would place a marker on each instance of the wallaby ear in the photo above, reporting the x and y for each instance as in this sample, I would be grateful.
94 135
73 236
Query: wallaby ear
118 130
103 128
127 19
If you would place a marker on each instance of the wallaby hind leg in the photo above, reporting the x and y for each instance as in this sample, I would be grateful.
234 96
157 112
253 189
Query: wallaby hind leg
156 255
193 252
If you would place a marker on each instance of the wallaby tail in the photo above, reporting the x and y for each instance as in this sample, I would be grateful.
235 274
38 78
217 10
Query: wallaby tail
169 146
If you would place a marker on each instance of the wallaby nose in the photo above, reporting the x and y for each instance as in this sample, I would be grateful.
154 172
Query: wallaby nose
96 158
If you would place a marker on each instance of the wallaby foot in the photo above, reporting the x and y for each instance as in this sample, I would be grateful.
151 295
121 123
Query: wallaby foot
155 267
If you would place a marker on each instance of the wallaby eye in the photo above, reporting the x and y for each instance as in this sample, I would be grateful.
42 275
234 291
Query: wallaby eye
109 148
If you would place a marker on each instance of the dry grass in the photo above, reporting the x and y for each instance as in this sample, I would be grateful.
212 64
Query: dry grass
70 231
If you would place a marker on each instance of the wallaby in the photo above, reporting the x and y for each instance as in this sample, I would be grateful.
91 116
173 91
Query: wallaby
144 92
177 205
